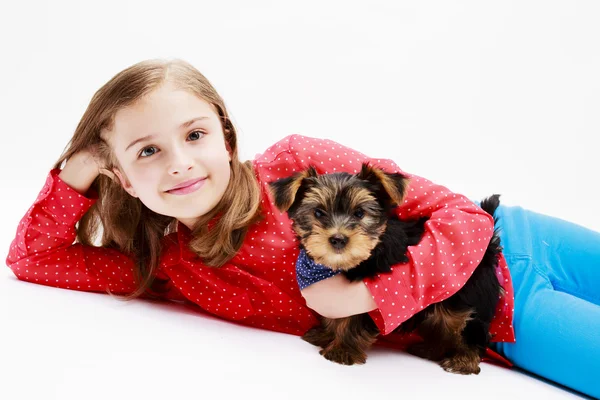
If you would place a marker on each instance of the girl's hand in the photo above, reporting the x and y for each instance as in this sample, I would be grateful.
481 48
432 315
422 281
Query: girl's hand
81 170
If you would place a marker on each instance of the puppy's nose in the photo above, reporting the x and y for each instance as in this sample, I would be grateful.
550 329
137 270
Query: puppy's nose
338 241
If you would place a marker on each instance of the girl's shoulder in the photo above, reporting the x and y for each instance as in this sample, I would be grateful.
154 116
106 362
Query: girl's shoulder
274 152
295 153
277 161
287 156
300 151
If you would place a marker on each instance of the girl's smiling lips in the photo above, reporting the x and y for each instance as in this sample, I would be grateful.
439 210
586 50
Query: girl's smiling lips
187 187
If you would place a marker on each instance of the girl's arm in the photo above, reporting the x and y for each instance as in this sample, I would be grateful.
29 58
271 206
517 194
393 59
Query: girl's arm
456 236
80 171
43 250
337 297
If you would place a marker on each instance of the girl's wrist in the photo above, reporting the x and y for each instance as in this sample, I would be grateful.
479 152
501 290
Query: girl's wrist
79 172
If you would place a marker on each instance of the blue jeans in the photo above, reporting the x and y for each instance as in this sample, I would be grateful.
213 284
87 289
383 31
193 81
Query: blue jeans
555 268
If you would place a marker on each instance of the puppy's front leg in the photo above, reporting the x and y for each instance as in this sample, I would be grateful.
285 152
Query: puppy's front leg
351 340
321 335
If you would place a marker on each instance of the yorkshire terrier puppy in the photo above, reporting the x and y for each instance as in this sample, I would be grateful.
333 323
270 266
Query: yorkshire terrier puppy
346 222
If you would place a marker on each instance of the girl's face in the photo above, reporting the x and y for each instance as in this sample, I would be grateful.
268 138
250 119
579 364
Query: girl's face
168 139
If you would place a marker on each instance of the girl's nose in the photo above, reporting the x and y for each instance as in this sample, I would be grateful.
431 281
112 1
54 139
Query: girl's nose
180 162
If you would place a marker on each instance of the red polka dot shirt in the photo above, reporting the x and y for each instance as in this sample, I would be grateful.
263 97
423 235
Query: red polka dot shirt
258 286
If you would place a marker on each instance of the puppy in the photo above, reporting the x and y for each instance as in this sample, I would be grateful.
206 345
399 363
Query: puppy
346 222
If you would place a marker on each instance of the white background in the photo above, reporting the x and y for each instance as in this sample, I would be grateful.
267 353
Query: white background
482 97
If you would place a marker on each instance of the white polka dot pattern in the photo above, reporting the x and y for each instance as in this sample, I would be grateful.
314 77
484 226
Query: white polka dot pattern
258 286
308 271
454 242
43 251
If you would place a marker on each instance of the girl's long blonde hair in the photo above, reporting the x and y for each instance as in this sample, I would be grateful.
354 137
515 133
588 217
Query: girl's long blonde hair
129 226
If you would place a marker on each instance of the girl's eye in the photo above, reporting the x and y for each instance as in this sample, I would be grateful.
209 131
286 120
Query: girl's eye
144 154
196 134
193 136
359 214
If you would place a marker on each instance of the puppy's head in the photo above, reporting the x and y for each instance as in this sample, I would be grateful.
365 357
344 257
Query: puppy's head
339 217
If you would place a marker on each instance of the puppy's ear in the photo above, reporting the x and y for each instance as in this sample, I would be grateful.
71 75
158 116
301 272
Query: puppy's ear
390 185
289 192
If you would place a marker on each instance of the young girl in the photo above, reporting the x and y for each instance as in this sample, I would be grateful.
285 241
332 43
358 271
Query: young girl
154 163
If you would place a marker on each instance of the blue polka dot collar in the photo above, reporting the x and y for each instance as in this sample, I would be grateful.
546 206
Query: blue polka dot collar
309 272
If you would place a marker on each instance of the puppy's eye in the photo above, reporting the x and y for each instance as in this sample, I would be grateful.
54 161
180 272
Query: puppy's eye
359 214
319 213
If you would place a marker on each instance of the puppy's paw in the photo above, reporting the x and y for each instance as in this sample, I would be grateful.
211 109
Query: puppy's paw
465 364
344 355
318 336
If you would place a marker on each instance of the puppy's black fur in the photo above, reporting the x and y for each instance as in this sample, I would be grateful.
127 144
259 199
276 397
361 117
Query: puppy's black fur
392 249
455 331
480 293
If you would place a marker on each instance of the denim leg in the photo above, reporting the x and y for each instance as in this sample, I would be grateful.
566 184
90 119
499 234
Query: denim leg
555 267
569 254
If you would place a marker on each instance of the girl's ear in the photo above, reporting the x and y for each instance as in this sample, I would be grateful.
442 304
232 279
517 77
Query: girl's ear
228 148
124 182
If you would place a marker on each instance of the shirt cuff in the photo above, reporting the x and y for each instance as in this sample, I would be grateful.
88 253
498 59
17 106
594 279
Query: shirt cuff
394 306
64 203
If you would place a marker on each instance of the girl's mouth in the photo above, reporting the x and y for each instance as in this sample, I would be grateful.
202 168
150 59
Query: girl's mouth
195 185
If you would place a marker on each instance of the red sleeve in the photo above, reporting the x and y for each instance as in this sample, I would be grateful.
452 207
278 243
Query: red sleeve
454 242
43 250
